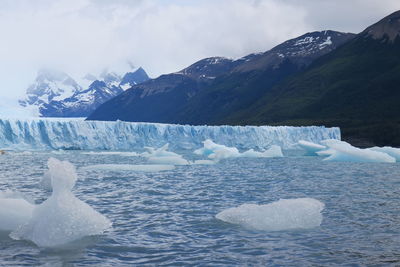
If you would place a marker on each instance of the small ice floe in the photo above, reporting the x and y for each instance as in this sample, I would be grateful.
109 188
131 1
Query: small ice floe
273 152
168 160
203 162
62 218
391 151
285 214
130 167
164 157
342 151
217 152
15 210
159 152
336 150
111 153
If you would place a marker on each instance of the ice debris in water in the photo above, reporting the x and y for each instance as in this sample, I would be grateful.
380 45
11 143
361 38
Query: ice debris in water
273 152
285 214
112 153
15 210
391 151
217 152
130 167
336 150
162 156
62 218
342 151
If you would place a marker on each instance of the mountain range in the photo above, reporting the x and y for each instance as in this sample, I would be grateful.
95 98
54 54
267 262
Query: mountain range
212 88
56 94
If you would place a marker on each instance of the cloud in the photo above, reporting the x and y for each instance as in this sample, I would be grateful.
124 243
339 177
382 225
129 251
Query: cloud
80 36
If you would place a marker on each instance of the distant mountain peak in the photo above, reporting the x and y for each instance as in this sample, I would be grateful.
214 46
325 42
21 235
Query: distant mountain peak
388 27
132 78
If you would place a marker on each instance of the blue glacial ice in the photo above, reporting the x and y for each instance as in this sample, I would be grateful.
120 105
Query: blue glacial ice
218 152
391 151
163 156
285 214
62 218
99 135
311 148
336 150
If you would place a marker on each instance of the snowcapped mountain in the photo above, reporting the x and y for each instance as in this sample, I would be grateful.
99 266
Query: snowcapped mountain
301 50
50 85
56 94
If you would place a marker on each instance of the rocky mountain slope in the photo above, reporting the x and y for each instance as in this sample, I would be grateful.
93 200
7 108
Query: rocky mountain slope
213 87
355 87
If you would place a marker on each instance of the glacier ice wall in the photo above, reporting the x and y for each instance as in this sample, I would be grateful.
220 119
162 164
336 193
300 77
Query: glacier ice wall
46 134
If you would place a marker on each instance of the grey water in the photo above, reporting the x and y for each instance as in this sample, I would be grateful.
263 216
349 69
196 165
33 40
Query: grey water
168 218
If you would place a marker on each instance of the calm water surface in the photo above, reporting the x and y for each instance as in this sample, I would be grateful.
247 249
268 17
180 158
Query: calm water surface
168 218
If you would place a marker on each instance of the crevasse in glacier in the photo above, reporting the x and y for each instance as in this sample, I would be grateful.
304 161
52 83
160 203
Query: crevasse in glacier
100 135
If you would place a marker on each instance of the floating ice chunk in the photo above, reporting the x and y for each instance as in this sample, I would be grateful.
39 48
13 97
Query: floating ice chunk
203 162
273 152
129 167
14 210
159 152
62 218
345 152
168 160
285 214
310 147
162 156
217 152
391 151
45 182
110 153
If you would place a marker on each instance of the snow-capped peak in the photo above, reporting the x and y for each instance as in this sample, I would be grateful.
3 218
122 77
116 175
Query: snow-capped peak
51 85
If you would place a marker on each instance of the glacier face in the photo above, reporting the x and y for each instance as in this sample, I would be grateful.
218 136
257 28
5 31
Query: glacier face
45 134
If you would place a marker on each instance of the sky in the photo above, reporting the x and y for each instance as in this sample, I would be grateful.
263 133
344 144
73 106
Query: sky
162 36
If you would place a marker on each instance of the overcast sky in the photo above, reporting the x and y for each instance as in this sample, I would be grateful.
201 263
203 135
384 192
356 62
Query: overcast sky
81 36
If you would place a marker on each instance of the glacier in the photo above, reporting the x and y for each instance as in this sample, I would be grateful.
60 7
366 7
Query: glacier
49 134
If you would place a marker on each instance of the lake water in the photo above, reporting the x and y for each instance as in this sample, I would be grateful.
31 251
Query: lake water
168 217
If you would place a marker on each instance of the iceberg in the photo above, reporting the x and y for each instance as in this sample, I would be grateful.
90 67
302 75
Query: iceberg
217 152
54 134
14 210
391 151
62 218
285 214
273 152
342 151
168 160
162 156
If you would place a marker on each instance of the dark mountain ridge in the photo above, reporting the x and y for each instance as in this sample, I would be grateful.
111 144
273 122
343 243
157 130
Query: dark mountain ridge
212 87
